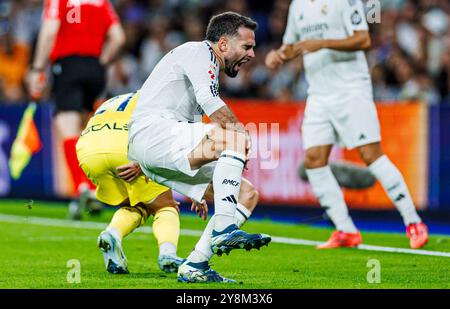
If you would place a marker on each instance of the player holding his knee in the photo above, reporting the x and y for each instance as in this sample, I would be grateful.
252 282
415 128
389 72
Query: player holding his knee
173 146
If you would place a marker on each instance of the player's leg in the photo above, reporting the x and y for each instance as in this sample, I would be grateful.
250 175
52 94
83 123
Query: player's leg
229 149
125 220
248 199
361 130
68 124
68 121
318 138
166 229
109 241
75 91
158 201
187 159
393 183
112 191
196 268
327 190
93 82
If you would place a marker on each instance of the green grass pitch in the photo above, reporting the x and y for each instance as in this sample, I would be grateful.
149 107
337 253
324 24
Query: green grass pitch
36 256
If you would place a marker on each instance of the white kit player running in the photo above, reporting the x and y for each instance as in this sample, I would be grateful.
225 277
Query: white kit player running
332 36
177 150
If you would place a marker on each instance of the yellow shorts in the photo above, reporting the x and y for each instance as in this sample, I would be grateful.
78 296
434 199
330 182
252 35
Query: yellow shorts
101 170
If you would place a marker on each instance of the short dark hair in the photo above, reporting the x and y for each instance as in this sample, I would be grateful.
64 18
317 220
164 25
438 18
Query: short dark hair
228 23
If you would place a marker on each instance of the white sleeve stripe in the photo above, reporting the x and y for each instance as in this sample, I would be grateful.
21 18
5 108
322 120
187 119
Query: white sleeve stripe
213 56
214 91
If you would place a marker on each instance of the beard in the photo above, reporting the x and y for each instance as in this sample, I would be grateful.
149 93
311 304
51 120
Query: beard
230 67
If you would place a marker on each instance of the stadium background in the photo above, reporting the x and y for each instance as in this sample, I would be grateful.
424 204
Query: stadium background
409 61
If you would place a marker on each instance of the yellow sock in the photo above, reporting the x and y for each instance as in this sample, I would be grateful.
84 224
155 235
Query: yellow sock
127 219
166 226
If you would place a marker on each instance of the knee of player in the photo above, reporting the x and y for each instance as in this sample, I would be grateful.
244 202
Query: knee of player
235 141
148 210
172 207
370 154
140 209
367 158
314 159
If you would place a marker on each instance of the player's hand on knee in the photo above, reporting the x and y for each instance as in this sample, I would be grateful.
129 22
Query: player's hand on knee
129 172
201 208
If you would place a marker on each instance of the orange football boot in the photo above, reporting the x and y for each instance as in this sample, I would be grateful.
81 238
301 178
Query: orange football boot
417 234
341 239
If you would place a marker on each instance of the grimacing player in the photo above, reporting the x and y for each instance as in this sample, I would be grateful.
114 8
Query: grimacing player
174 148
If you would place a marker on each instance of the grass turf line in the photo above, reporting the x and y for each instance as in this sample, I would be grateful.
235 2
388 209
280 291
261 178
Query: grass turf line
36 257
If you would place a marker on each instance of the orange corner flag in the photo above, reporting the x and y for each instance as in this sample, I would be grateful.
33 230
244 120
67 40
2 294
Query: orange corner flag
26 144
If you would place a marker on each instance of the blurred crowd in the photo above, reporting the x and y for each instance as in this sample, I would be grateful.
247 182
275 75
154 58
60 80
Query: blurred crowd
409 59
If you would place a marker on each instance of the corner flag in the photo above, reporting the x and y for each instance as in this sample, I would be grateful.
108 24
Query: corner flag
26 144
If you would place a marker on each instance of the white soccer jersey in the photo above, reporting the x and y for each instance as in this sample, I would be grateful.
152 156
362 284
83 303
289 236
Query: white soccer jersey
329 71
183 86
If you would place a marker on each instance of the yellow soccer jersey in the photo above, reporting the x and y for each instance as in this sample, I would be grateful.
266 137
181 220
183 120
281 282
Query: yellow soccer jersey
102 147
108 127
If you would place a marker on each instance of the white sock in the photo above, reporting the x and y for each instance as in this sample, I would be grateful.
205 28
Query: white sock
227 182
114 232
393 183
242 215
167 248
197 256
330 196
202 251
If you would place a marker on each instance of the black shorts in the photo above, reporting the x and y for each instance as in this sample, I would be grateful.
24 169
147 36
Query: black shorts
78 82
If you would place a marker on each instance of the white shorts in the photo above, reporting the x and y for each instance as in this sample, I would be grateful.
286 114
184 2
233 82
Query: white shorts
350 120
162 150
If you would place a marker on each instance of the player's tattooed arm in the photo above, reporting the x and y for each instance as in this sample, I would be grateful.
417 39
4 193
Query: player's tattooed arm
226 119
